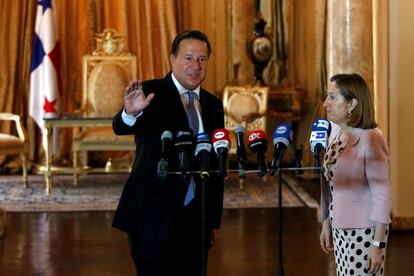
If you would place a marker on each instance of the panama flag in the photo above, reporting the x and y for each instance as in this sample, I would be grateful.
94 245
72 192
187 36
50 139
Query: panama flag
44 86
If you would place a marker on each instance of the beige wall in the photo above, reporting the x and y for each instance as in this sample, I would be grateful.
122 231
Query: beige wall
401 48
380 37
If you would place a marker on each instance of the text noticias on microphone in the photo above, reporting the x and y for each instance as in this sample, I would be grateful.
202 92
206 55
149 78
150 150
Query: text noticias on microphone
184 143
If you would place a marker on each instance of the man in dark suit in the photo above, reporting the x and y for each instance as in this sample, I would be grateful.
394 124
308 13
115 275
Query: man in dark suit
162 223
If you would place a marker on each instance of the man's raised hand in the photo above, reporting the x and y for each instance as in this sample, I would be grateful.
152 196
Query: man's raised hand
135 100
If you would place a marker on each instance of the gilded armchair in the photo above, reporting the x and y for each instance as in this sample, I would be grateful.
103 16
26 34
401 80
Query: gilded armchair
15 145
105 74
244 106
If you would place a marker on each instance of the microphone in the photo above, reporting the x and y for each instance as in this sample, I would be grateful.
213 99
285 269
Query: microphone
184 144
162 169
221 144
321 129
282 137
257 142
241 151
202 153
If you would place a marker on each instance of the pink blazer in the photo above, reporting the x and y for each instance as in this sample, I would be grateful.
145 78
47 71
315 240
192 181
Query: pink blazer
361 194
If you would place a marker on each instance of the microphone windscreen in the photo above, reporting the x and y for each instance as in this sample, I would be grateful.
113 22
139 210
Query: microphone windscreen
239 129
322 125
283 134
321 129
167 135
221 139
203 137
221 134
257 138
203 143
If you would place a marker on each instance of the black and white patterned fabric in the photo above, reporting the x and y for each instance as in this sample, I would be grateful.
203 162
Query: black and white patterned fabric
351 247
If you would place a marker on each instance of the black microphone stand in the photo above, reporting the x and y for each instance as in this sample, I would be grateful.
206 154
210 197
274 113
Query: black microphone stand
280 206
317 163
204 179
318 149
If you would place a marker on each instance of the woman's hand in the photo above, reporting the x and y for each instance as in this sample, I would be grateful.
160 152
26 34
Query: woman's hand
135 100
374 259
326 236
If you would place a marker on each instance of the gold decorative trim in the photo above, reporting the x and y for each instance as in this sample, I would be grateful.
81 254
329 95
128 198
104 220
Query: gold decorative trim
240 116
109 43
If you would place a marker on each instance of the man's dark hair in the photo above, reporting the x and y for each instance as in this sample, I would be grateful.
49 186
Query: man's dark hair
191 34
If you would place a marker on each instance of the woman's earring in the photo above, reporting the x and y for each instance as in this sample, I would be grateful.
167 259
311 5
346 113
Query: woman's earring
349 115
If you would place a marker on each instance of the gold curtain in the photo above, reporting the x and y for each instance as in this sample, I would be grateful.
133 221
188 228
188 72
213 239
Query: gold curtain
17 20
211 17
149 27
278 15
243 13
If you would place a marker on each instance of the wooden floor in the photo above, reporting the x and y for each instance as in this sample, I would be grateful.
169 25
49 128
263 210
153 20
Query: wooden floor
84 244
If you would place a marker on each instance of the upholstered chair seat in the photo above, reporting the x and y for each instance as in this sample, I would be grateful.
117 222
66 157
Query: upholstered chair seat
15 145
102 135
10 143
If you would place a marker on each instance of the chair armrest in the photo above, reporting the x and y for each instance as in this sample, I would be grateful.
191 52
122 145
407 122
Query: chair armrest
18 121
9 116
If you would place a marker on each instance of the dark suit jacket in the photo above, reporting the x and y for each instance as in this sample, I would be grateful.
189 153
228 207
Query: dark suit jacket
149 207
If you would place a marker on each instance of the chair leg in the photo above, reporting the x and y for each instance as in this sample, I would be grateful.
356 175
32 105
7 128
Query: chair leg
75 168
83 156
241 183
24 167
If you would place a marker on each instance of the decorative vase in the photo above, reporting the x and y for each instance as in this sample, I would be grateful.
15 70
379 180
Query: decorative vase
259 49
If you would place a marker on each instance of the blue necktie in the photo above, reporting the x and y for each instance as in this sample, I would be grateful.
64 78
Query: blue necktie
194 125
192 113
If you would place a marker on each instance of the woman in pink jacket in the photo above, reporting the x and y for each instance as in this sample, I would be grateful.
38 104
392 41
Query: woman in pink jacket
355 189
